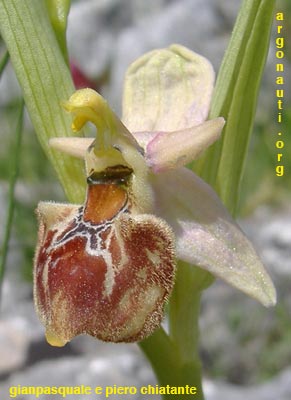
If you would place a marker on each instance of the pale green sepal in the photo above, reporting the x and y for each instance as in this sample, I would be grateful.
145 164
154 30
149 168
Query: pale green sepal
207 236
170 150
45 81
167 90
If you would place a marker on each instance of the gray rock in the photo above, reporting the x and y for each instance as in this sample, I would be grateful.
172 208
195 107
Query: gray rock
271 233
126 368
278 388
11 337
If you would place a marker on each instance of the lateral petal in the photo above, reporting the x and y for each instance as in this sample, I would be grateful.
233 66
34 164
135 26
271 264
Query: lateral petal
207 236
169 150
74 146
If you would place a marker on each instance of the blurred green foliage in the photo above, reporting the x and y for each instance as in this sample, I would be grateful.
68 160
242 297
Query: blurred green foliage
35 172
260 183
34 166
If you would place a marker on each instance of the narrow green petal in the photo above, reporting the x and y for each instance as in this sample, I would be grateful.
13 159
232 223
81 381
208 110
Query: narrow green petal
45 81
167 90
235 99
207 236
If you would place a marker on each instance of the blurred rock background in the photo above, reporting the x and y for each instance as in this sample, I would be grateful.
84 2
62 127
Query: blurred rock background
246 349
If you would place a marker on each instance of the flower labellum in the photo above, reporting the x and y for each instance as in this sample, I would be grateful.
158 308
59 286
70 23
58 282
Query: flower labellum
104 268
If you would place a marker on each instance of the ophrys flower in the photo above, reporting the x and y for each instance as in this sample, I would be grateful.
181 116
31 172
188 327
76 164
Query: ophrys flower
106 268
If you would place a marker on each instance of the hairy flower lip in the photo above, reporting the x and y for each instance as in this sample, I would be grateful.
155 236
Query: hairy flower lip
93 274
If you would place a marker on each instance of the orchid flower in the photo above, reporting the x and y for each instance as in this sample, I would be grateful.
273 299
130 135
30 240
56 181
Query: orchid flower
143 208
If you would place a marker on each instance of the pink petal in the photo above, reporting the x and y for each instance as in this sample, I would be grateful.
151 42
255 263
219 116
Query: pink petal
175 149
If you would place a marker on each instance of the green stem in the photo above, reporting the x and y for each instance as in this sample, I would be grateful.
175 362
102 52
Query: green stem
160 351
175 358
15 152
183 318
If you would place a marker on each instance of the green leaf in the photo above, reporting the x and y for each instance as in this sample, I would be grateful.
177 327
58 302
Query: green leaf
235 98
58 13
45 81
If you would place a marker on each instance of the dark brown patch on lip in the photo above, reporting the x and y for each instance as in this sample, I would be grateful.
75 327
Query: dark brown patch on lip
118 174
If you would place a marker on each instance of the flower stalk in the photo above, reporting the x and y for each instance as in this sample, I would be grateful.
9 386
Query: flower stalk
177 362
